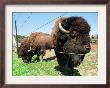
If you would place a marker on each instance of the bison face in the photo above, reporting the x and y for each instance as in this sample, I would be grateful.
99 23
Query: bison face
23 53
74 48
74 35
78 45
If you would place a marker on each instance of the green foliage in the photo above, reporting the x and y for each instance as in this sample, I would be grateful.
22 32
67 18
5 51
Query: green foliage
20 37
89 65
33 69
94 38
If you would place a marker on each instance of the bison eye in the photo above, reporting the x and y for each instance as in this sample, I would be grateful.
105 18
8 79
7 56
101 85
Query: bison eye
73 35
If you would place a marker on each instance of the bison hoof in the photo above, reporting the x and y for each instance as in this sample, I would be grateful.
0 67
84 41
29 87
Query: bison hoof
26 62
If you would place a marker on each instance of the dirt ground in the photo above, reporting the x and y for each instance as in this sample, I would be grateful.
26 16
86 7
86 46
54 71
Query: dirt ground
94 47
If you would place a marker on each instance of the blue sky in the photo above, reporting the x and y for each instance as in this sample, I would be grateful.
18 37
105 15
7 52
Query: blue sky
31 22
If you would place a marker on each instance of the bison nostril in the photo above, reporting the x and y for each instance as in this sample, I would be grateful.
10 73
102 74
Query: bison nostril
88 48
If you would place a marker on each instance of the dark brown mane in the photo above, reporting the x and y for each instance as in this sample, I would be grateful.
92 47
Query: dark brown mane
70 35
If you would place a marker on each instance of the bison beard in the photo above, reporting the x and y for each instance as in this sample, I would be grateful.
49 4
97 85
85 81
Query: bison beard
71 41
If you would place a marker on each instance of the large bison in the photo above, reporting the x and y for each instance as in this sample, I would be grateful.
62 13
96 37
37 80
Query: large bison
71 41
36 43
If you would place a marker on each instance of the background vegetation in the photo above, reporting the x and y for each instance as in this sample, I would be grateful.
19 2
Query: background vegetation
94 38
20 37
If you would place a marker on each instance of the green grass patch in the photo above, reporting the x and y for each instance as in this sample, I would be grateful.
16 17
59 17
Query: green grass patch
47 68
89 67
34 69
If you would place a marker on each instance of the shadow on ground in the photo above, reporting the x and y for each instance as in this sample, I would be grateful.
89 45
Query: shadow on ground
46 59
75 72
50 58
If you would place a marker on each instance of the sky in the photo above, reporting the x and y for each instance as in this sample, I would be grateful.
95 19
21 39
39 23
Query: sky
28 22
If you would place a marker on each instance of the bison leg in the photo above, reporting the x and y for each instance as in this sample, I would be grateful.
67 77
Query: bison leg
61 61
42 52
41 57
38 59
30 58
24 58
65 64
70 65
37 52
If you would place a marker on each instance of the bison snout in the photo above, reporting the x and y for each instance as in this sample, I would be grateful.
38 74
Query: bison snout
88 47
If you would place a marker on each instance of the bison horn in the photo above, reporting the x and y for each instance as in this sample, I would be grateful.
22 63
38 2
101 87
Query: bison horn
62 29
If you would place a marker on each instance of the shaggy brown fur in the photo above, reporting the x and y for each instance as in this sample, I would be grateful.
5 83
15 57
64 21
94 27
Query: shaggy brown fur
54 32
40 40
36 43
72 44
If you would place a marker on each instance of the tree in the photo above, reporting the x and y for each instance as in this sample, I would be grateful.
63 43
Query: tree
20 37
94 38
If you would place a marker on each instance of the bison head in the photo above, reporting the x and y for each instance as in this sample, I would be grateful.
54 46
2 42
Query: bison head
74 35
71 40
23 50
24 54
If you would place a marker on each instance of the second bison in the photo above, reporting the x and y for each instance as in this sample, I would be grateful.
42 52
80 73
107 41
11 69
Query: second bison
36 43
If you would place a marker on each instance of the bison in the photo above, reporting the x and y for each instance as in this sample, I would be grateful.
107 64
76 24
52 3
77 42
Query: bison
71 41
36 43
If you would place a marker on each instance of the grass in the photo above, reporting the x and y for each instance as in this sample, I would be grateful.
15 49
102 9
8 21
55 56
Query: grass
89 65
47 67
33 69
